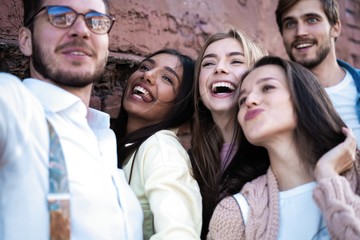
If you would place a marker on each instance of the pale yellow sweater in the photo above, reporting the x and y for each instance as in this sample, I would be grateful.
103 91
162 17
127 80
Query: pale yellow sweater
170 197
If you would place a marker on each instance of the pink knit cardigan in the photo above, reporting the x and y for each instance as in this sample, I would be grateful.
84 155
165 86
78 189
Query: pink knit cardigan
338 199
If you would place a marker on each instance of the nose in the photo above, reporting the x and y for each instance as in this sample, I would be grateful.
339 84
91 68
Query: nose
150 77
301 29
79 28
252 100
220 68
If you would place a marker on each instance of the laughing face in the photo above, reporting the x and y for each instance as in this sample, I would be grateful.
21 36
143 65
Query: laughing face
222 65
152 89
308 36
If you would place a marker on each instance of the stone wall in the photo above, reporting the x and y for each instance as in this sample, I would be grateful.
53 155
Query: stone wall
145 26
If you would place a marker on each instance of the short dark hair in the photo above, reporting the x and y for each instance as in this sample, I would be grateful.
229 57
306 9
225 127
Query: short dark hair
331 10
30 7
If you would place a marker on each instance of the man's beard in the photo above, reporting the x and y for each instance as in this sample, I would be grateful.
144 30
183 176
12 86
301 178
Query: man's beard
321 54
53 71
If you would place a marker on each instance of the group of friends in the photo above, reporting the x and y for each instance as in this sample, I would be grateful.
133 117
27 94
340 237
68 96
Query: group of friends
273 153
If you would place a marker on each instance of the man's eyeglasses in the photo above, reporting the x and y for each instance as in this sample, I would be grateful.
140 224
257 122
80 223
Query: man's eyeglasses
64 17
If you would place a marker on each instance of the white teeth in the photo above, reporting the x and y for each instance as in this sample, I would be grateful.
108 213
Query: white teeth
138 90
78 53
303 45
223 84
141 90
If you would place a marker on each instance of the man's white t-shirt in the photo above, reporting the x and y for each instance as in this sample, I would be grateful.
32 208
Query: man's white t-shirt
343 97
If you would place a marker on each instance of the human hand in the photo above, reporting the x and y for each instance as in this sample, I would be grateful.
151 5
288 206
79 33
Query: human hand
337 160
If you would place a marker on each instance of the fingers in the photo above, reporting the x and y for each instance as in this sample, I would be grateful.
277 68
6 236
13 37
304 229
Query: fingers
350 142
338 159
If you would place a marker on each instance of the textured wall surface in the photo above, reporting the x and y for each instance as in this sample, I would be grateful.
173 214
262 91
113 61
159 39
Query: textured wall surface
145 26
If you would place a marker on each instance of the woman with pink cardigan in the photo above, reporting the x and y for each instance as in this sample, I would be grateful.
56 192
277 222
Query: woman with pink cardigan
311 187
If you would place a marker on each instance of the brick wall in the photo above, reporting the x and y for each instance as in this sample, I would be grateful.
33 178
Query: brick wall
145 26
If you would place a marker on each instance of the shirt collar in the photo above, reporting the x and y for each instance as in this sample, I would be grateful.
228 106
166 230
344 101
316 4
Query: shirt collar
98 119
52 97
56 99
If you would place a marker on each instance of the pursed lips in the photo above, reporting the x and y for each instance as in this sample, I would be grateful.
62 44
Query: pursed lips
251 114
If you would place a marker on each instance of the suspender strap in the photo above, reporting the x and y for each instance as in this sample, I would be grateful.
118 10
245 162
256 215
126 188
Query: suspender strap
59 196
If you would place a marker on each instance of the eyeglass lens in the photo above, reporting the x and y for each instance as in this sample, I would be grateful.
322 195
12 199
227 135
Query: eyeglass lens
63 17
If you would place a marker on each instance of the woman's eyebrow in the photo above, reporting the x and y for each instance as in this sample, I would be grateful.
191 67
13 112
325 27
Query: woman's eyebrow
152 61
213 55
169 69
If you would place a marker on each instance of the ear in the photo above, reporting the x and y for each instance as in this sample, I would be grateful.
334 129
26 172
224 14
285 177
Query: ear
25 41
336 30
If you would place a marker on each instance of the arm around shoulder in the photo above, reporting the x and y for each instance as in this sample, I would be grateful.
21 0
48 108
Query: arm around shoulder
19 112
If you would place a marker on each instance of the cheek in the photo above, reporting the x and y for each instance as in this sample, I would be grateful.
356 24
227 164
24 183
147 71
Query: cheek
129 83
286 112
293 119
239 72
167 93
287 37
102 44
203 77
240 116
135 75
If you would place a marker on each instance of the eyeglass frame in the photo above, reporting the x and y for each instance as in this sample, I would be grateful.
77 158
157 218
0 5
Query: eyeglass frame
111 18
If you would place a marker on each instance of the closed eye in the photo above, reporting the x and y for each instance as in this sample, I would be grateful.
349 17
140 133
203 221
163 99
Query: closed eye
144 67
267 87
242 101
206 64
168 79
237 61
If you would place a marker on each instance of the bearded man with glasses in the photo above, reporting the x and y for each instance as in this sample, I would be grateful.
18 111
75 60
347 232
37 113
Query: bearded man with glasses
58 163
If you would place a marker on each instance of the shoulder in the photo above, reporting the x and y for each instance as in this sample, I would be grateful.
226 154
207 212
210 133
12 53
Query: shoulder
7 77
15 97
228 205
166 136
164 140
226 212
10 84
260 190
347 66
226 221
164 149
256 185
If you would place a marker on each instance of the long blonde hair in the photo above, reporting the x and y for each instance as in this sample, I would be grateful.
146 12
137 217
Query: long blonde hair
207 137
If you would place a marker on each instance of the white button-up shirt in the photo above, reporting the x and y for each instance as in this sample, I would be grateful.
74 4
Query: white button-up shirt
102 204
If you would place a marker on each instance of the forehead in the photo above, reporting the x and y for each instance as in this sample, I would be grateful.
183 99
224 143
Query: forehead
168 60
226 45
304 7
164 60
79 5
264 73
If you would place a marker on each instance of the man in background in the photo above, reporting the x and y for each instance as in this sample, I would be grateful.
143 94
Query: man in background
309 29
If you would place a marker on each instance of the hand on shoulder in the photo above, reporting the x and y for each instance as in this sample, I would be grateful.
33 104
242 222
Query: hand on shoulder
339 159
